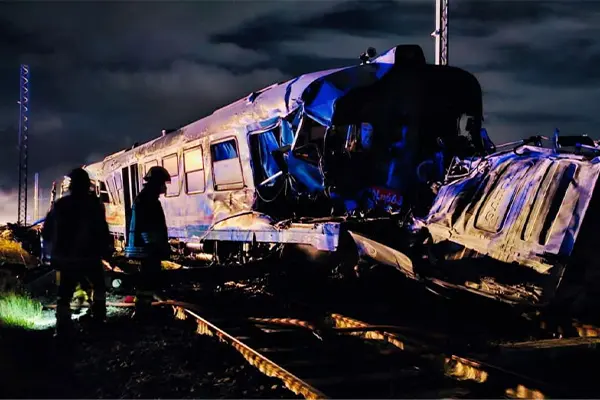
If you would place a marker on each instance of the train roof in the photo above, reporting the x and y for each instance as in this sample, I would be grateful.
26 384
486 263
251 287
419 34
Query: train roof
315 92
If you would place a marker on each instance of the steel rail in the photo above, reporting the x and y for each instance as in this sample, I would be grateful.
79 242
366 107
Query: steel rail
265 365
461 368
454 366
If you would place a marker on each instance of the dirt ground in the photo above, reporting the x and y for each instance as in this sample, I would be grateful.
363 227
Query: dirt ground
158 359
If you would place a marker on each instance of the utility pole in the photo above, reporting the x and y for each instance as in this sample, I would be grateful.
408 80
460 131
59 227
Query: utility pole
36 197
441 32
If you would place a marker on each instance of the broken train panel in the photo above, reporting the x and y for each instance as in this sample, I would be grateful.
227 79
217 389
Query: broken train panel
392 104
507 229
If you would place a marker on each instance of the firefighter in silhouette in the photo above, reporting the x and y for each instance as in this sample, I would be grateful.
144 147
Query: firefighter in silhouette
78 234
148 238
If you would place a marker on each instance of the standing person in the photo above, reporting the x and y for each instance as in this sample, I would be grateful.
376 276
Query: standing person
148 237
78 233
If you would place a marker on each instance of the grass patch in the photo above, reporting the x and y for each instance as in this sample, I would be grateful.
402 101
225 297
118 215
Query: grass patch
18 310
13 253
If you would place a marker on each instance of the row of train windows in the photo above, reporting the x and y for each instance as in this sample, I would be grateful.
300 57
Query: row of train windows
227 171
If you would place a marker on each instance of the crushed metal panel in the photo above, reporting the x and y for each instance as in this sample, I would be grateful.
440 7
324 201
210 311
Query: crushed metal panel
523 208
370 249
321 96
274 102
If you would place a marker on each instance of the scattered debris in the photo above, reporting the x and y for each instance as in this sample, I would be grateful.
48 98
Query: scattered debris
170 265
12 252
20 245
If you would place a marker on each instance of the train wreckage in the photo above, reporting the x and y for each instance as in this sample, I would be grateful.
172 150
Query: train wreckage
382 163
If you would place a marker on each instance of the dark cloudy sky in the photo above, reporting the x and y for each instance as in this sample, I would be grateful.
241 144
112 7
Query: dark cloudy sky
104 75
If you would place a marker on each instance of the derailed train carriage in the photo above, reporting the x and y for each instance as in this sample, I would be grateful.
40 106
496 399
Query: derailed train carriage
384 162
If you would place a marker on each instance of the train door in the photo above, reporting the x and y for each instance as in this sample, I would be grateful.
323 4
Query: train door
131 188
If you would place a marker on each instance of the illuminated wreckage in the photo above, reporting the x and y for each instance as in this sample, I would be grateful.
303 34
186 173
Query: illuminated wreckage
386 163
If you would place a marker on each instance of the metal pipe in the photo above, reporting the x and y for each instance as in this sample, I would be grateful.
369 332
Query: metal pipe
441 32
195 246
36 197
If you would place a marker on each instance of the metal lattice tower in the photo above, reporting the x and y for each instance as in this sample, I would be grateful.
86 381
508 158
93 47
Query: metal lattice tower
23 143
441 32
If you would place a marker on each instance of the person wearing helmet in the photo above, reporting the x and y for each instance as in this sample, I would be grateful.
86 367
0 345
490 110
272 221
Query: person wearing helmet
77 230
148 238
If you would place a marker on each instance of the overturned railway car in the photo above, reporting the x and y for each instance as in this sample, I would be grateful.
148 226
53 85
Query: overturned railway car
353 164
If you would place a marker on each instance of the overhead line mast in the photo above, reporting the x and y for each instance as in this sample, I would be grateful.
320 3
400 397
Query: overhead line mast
36 197
23 143
441 32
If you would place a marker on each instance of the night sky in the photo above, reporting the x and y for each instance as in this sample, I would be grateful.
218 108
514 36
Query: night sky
106 75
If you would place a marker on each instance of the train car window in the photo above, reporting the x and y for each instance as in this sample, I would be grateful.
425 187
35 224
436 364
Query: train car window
118 181
193 165
149 165
310 141
110 184
317 133
103 192
171 165
119 186
264 166
224 151
227 169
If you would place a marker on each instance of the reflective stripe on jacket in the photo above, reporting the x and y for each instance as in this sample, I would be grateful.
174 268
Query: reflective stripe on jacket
148 236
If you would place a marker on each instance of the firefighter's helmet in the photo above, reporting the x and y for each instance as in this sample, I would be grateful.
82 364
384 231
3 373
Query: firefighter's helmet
158 174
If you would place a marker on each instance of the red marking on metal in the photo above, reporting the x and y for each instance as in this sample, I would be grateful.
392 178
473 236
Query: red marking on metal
387 196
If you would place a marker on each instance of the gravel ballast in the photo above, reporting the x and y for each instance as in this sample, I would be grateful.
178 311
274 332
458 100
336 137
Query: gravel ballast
163 358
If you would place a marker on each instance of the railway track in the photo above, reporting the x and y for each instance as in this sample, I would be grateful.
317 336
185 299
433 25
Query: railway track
335 357
332 355
308 364
320 354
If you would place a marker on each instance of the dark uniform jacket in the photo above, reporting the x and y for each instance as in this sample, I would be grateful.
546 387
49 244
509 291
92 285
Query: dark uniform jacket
148 235
77 231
